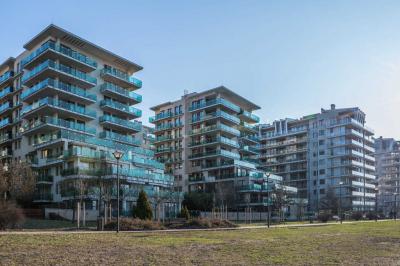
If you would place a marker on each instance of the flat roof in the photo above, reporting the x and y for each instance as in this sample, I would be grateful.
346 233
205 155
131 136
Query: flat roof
55 31
233 96
8 63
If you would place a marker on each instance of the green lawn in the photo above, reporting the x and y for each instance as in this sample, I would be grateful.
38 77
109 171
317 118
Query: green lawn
350 244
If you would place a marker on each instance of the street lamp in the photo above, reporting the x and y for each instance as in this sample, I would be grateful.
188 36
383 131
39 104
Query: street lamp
376 204
395 205
340 201
269 205
118 155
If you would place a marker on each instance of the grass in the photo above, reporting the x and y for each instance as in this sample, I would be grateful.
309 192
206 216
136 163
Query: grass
349 244
41 224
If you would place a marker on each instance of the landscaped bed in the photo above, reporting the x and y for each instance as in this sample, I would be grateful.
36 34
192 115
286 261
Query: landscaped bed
127 224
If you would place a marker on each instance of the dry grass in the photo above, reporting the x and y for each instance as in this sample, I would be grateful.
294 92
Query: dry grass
347 244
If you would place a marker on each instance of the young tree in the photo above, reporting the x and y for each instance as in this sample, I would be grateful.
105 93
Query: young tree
143 209
330 202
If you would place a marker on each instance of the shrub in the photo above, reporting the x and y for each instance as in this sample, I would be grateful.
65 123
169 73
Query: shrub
324 217
184 213
143 209
371 216
128 224
201 223
10 215
356 216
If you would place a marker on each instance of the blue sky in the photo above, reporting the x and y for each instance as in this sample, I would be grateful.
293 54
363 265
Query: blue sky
289 57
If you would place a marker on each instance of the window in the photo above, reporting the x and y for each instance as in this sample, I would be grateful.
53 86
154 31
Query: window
322 171
322 181
322 191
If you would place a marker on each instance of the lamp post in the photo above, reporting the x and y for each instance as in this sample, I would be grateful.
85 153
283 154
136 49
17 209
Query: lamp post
376 204
118 155
340 201
395 205
269 206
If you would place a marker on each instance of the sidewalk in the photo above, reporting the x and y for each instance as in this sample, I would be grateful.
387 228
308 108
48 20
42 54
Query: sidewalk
37 232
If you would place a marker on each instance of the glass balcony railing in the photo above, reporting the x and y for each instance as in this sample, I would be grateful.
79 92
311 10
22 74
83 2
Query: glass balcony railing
163 116
226 153
4 122
125 123
168 126
121 91
59 122
51 45
59 67
216 114
217 140
166 138
59 104
148 162
119 137
215 102
6 76
215 127
5 106
58 85
121 107
121 75
6 91
251 116
131 174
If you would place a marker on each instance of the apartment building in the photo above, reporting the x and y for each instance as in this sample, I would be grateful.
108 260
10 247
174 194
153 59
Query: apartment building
209 143
387 156
323 154
66 106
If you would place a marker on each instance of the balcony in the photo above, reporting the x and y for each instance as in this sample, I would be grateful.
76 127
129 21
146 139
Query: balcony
45 179
255 188
120 138
224 153
7 106
45 105
44 124
251 139
116 107
167 150
5 122
150 163
120 78
168 126
6 92
6 153
217 115
121 124
249 117
213 103
162 116
52 69
216 141
120 93
43 197
249 150
160 139
361 184
6 77
50 87
216 128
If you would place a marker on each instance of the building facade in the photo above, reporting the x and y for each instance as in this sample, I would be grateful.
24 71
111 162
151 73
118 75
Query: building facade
209 143
325 155
387 156
66 106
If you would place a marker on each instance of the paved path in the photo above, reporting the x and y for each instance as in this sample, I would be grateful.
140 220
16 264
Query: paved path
40 232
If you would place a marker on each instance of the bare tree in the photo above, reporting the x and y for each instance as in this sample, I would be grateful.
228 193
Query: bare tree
17 182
